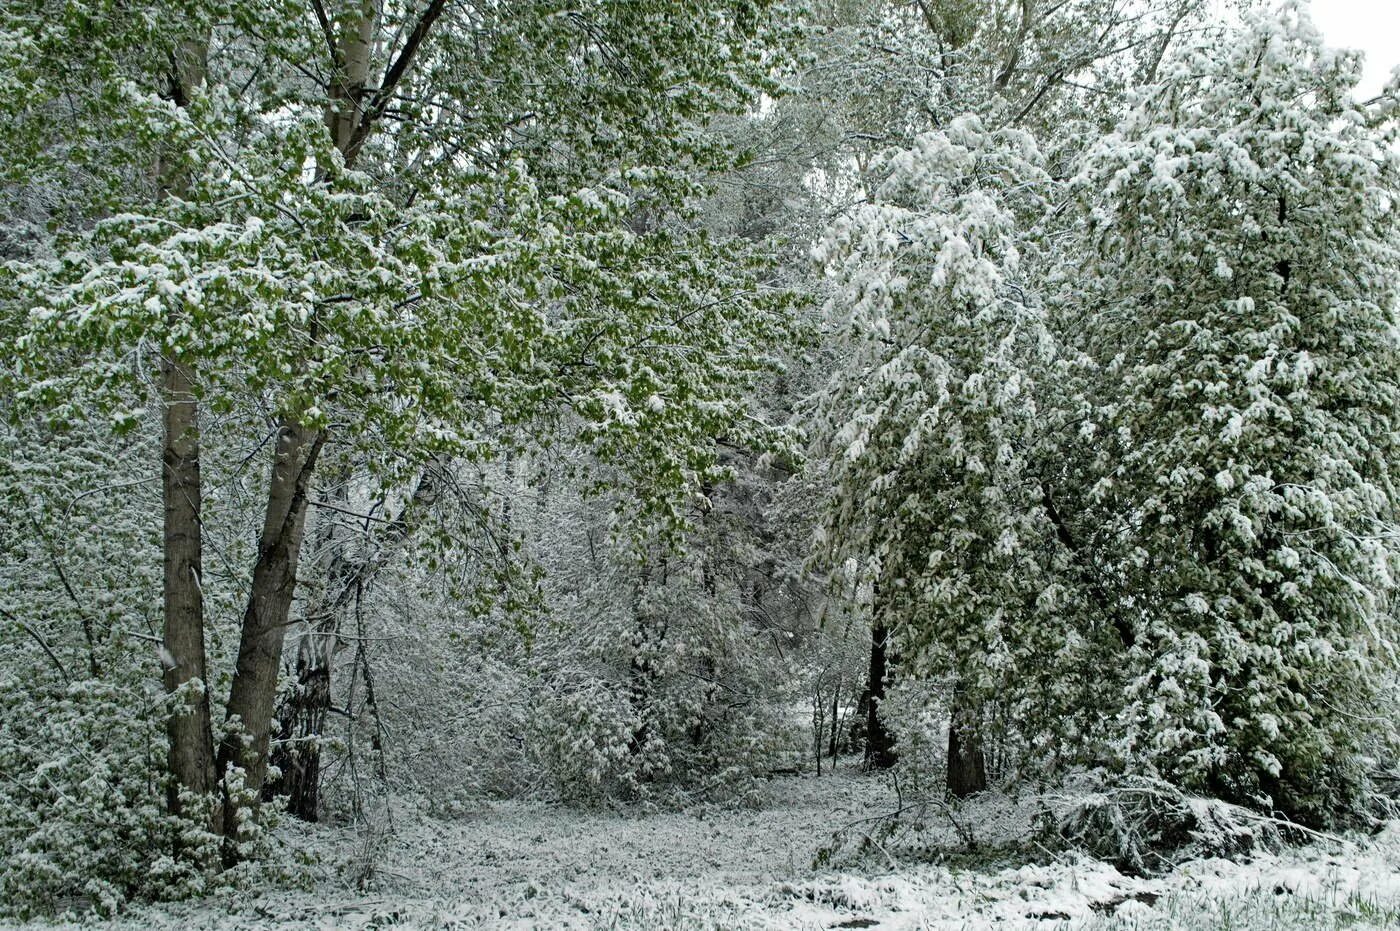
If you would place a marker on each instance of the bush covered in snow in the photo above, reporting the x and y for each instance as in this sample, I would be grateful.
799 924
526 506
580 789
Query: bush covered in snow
1147 826
82 814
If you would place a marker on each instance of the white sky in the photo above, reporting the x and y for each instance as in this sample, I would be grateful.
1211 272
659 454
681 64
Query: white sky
1373 26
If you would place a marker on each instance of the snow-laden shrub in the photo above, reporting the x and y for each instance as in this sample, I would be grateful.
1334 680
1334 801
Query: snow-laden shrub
583 741
651 674
83 819
1147 826
595 699
683 713
1018 747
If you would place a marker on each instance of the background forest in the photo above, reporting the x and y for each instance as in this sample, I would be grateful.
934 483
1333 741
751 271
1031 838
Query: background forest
618 403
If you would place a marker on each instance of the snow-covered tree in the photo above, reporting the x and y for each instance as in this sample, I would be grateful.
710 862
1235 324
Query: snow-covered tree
1236 301
410 228
881 74
937 428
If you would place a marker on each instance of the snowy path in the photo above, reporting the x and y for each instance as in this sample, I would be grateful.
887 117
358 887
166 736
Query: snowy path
510 846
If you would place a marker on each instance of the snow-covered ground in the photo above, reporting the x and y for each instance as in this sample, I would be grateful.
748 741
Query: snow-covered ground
517 865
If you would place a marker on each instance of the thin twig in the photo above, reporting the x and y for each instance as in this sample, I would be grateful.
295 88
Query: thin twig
58 664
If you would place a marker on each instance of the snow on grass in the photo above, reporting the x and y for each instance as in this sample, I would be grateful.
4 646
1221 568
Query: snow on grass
515 865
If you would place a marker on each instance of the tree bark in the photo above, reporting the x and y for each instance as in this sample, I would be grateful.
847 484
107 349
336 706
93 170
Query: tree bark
189 729
967 765
649 632
191 752
301 717
879 742
1013 57
269 605
301 721
347 90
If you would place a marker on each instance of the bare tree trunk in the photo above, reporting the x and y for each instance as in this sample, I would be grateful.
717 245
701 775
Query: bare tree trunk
265 620
835 719
879 742
191 752
190 757
967 765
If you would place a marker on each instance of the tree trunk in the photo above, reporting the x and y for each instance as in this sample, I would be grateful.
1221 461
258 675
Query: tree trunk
190 757
879 742
351 115
855 726
265 620
649 631
191 752
301 721
302 718
835 719
967 765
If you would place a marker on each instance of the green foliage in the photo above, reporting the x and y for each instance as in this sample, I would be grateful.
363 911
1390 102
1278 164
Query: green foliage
547 267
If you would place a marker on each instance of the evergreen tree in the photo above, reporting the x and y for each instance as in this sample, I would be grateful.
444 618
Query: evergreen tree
1238 306
937 431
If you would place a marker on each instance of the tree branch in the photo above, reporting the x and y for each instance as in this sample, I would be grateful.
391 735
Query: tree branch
327 31
380 101
43 644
